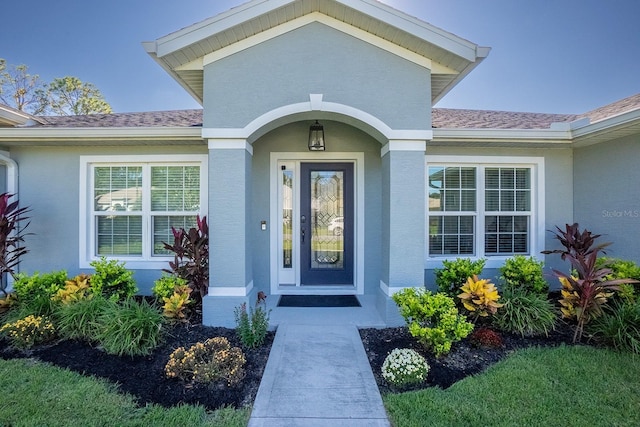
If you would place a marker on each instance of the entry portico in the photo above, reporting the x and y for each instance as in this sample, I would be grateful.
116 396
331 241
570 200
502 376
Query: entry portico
265 72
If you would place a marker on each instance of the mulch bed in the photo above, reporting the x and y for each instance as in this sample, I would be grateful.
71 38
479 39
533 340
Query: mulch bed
143 377
464 359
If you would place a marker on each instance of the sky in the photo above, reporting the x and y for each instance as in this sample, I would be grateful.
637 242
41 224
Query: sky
552 56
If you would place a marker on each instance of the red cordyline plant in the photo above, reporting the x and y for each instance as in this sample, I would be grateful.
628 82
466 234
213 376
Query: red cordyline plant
191 256
585 293
11 237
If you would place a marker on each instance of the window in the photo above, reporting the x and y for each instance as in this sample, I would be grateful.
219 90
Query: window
133 205
482 209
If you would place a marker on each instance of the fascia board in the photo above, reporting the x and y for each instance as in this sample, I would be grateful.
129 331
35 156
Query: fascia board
101 134
423 30
149 47
515 136
241 14
216 24
582 134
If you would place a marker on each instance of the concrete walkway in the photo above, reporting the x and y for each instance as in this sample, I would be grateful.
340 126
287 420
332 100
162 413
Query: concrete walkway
318 375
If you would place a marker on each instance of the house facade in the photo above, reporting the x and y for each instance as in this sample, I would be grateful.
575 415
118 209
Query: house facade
319 161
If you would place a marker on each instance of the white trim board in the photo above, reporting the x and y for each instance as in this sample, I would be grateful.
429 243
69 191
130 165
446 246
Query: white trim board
357 158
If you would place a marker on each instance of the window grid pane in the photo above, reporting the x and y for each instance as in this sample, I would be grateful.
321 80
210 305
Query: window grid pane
452 189
117 188
451 235
119 235
506 235
162 230
175 188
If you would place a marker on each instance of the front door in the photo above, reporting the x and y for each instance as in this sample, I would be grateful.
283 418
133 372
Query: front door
326 224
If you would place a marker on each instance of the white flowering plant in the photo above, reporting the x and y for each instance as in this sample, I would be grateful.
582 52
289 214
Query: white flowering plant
404 367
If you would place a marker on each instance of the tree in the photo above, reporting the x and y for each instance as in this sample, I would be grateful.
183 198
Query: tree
69 96
63 96
18 88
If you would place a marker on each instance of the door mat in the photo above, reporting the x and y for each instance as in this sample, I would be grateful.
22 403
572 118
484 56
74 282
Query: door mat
318 301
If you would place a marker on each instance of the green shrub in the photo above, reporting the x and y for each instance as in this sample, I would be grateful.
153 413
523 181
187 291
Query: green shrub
524 273
433 319
251 326
165 286
129 328
525 313
112 280
622 269
27 332
455 273
207 362
35 292
80 320
619 326
404 367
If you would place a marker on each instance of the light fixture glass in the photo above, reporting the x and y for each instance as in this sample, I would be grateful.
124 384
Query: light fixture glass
316 137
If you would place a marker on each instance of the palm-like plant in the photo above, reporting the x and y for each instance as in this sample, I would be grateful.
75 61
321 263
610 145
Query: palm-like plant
585 293
11 237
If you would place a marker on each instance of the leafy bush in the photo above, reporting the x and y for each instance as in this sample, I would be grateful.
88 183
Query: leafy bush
11 237
525 313
74 290
520 272
207 362
619 326
251 326
404 367
129 328
577 244
27 332
480 297
165 286
583 296
621 269
81 320
191 256
35 292
433 319
455 274
175 306
486 338
112 280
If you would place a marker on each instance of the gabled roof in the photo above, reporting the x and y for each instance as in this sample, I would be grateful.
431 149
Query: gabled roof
184 53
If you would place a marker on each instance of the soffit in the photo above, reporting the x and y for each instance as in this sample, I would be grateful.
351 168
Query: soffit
449 53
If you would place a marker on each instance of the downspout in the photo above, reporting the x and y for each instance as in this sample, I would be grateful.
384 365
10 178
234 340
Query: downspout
12 188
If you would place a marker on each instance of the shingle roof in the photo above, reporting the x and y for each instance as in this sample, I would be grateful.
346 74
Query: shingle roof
176 118
442 118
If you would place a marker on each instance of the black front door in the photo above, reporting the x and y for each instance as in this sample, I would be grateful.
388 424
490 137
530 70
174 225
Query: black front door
326 224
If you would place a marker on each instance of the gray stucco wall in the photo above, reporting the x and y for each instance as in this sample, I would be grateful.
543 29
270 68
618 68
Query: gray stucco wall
559 181
607 194
316 59
293 138
49 185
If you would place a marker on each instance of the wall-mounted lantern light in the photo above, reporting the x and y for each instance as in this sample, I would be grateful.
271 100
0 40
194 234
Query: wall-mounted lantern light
316 137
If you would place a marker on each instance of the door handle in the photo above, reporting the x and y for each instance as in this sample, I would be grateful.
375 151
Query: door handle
302 235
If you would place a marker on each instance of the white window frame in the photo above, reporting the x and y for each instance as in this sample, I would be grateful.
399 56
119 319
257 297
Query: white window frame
87 221
537 218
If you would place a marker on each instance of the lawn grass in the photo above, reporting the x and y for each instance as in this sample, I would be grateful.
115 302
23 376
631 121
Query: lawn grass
37 394
564 386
